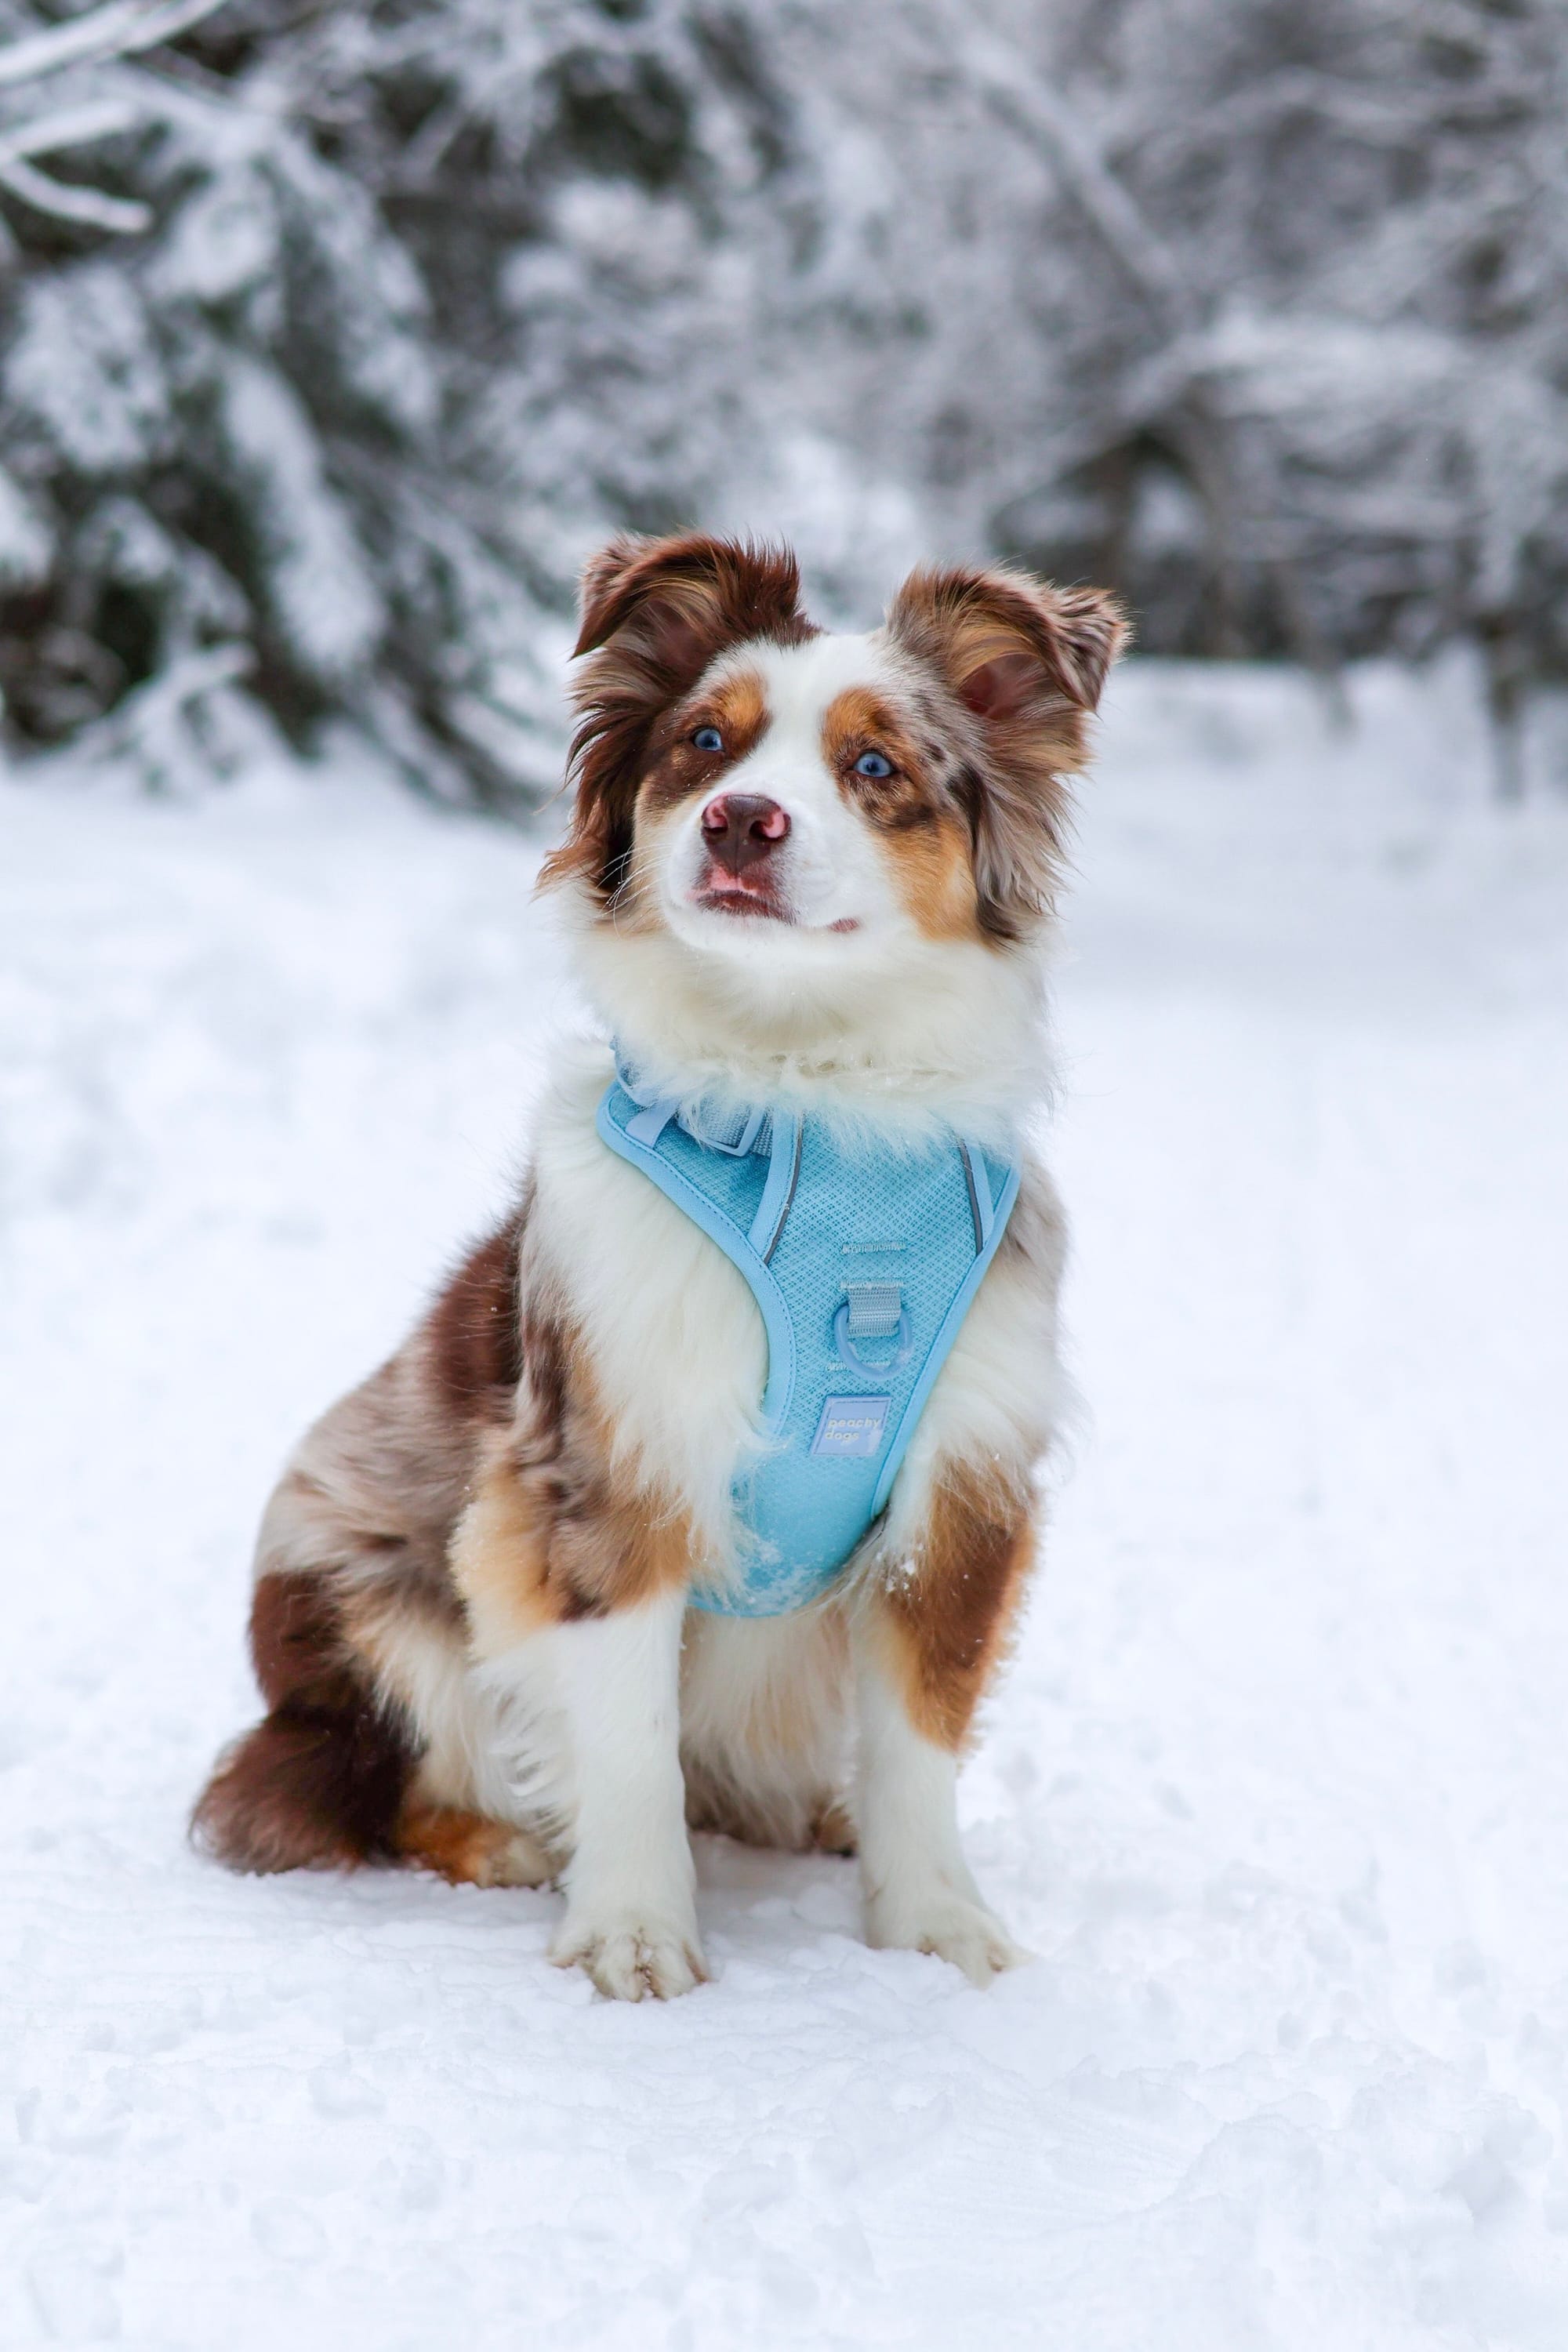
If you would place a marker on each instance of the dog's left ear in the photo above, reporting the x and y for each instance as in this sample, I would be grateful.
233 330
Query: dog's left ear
1027 661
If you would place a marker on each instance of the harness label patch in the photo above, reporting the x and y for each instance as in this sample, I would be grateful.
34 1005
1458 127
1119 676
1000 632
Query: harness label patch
852 1427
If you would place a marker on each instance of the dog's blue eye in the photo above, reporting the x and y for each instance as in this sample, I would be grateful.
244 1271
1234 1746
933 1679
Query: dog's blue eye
708 738
871 763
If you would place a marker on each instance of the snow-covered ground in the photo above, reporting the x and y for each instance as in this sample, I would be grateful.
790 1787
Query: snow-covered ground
1277 1787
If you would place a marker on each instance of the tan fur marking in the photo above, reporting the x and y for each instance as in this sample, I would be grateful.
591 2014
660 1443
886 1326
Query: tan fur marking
935 880
835 1832
946 1624
556 1530
377 1622
862 720
739 703
921 833
470 1849
737 706
497 1561
621 1552
1025 663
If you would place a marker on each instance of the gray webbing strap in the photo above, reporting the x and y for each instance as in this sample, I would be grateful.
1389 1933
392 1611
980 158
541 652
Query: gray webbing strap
874 1309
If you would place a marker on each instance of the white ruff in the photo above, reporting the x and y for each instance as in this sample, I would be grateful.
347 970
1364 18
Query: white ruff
921 1037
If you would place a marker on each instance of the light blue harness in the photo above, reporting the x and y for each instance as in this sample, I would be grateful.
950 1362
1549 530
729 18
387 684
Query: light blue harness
863 1262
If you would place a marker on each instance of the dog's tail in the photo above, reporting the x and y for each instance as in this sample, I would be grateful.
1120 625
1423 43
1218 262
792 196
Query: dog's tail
320 1783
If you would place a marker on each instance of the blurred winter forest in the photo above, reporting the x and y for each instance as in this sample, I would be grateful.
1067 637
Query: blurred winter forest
335 331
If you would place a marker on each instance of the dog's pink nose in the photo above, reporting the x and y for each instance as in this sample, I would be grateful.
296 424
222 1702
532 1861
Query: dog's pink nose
742 828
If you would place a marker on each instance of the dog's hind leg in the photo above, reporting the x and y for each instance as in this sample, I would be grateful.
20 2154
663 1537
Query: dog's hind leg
320 1783
332 1776
470 1849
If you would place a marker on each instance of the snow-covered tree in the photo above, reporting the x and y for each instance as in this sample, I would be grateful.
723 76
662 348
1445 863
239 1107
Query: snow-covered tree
331 338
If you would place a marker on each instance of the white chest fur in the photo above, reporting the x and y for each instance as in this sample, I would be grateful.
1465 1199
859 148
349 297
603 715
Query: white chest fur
672 1333
677 1347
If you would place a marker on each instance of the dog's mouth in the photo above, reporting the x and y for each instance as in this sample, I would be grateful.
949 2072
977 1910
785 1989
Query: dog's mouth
732 894
755 896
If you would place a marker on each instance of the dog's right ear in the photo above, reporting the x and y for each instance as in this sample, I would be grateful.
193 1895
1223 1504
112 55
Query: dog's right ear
1025 662
655 613
678 601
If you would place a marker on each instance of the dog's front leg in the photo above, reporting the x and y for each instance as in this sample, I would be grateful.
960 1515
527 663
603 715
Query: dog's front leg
925 1643
585 1618
631 1916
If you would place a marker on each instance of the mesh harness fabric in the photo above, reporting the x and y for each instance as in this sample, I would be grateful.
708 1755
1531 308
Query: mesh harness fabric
863 1259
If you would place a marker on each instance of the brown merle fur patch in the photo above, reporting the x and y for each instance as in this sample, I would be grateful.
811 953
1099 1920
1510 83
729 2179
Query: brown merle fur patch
946 1623
320 1783
916 808
498 1559
475 1339
1022 663
557 1530
737 706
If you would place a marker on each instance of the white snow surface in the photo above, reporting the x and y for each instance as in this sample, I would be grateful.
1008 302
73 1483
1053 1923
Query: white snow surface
1277 1786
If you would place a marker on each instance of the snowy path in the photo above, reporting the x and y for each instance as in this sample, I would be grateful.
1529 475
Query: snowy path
1279 1787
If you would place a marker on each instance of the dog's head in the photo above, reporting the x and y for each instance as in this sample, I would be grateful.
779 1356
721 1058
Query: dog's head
788 801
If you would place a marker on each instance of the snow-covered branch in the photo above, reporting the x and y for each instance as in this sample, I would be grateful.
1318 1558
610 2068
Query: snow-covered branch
67 126
125 28
74 126
1267 333
1019 97
147 712
63 200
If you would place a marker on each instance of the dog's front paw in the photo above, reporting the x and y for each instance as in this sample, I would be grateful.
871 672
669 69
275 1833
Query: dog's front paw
949 1925
629 1955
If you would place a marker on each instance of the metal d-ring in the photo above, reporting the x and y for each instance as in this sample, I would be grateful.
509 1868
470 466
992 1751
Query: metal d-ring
849 1352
